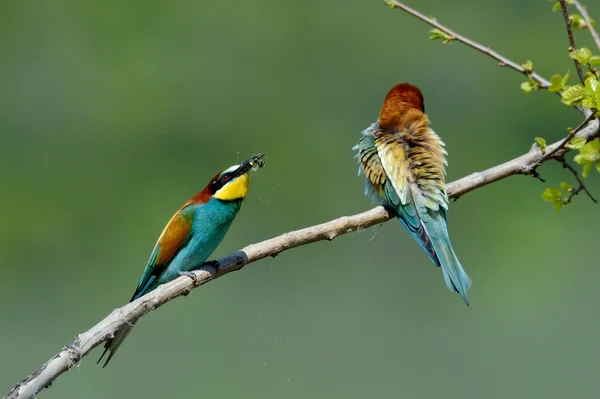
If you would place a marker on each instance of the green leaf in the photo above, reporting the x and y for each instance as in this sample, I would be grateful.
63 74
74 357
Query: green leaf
566 187
594 60
558 83
550 194
389 3
541 142
555 84
577 21
572 95
529 86
557 205
554 196
589 102
587 96
528 66
582 55
576 143
591 83
589 155
593 88
556 6
436 34
586 170
587 75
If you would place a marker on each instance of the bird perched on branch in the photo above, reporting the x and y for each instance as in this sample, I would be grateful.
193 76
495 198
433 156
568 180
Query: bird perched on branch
191 235
404 164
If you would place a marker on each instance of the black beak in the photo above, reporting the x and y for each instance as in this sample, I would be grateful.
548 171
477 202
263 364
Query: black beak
255 161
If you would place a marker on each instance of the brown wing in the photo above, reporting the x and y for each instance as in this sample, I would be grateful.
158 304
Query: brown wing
173 237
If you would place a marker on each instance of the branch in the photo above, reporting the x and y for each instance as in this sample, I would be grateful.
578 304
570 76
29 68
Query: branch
503 61
572 47
565 141
579 188
588 22
105 329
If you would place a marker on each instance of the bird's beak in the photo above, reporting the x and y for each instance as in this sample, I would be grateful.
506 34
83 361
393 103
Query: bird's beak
253 163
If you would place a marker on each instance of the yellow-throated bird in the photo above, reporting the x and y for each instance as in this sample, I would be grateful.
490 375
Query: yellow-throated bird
404 164
192 234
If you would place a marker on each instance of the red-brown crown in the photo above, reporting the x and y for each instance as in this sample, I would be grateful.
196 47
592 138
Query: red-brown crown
400 98
203 196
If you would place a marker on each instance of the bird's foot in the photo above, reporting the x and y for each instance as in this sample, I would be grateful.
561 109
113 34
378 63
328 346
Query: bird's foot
390 210
192 276
211 263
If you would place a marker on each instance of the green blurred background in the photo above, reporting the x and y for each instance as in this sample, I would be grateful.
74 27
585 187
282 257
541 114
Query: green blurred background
113 113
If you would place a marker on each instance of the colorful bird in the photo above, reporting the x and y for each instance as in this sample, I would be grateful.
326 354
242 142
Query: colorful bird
191 235
404 164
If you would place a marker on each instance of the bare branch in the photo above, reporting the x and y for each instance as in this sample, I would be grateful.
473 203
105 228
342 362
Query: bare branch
572 47
105 329
503 61
588 22
579 188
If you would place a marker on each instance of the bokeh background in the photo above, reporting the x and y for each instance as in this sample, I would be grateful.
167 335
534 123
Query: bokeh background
113 113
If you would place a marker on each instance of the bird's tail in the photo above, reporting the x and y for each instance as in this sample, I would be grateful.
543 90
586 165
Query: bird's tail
455 276
113 344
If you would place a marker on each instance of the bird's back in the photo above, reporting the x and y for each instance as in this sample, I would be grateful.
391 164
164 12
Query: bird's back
210 223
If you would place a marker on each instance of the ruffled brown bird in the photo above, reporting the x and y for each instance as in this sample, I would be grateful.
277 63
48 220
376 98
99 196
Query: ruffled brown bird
404 162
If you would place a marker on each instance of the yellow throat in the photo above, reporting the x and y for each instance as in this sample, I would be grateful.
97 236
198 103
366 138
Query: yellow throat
236 189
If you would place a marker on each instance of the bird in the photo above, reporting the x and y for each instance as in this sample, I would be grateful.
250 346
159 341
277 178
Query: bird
404 162
191 235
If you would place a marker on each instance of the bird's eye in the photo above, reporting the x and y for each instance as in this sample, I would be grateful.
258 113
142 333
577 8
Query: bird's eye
225 178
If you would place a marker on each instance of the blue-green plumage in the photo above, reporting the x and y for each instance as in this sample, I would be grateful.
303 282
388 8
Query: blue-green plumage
426 226
210 223
191 236
404 163
454 275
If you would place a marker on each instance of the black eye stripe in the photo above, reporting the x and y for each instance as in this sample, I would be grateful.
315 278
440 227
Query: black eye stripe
226 177
221 181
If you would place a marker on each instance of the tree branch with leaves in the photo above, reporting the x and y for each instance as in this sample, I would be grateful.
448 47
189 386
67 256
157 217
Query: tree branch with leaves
585 96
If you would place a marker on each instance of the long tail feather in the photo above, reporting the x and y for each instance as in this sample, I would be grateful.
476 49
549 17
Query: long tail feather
114 344
455 276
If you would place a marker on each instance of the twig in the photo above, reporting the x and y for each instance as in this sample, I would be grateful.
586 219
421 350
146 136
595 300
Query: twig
565 141
572 47
503 61
581 186
105 329
588 22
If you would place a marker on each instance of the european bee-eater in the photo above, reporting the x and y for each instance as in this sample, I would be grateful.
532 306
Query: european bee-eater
192 234
404 164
